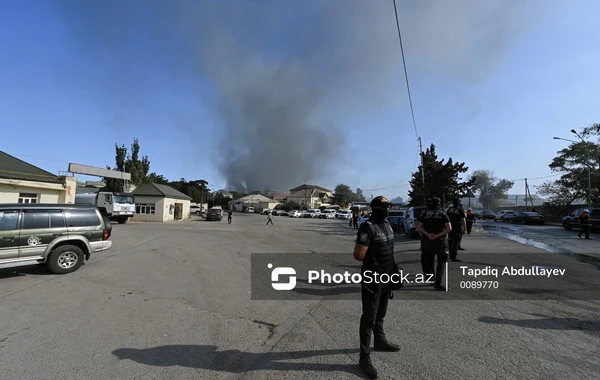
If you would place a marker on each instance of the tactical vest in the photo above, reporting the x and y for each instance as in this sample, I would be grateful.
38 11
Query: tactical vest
433 221
584 219
455 214
380 254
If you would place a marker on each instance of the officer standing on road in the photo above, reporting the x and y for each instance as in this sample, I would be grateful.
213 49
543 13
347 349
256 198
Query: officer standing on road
355 219
435 225
584 222
230 212
458 220
375 248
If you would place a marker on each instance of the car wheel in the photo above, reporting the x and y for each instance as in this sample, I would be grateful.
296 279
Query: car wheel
198 213
65 259
567 227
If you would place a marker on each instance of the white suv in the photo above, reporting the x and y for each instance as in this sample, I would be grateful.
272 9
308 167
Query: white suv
500 215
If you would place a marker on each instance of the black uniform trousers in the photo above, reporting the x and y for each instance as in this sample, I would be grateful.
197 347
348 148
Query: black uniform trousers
375 298
469 226
424 265
436 248
454 238
585 229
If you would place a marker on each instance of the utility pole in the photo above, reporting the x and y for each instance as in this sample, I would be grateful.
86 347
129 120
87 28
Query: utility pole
526 201
422 170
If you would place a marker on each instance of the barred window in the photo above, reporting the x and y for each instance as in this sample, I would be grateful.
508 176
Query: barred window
28 198
144 208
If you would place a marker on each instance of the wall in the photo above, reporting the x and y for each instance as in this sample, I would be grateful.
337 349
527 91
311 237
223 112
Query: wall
158 209
47 192
169 213
68 196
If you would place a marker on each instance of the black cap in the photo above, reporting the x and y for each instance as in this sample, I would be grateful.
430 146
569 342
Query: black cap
456 202
380 201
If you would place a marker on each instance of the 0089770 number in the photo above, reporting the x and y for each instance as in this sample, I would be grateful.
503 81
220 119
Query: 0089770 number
478 284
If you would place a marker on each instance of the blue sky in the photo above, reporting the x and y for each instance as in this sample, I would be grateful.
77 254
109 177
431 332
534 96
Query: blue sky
62 103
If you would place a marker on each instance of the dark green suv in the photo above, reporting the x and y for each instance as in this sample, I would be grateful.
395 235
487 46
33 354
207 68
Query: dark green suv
58 235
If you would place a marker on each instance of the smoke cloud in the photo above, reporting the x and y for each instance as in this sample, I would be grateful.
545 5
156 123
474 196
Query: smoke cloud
282 78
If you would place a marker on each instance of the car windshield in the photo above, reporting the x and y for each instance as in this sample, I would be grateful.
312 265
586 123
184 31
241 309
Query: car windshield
124 199
595 213
531 213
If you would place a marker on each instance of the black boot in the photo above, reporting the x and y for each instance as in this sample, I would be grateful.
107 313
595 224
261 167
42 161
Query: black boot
384 345
367 367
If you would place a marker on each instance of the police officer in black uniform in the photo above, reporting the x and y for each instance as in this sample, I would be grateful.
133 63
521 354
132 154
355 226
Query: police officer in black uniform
375 248
458 219
584 223
435 225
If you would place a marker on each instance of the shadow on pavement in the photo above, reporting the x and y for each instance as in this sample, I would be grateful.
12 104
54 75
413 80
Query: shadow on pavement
548 323
25 270
233 361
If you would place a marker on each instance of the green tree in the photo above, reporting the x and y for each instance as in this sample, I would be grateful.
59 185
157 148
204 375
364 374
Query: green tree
130 163
359 196
197 189
156 178
442 179
288 206
490 188
573 161
343 195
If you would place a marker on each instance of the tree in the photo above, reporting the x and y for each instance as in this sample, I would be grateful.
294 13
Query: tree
288 206
359 196
573 161
132 164
197 189
343 195
156 178
441 179
490 188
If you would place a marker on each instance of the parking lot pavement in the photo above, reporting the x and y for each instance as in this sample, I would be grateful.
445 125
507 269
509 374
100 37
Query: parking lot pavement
173 301
555 237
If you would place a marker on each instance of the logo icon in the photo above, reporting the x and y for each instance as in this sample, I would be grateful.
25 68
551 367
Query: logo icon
282 271
34 240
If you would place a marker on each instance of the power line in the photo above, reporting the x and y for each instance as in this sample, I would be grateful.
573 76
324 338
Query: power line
548 176
412 112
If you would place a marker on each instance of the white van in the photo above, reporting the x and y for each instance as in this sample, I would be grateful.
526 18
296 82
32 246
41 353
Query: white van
250 209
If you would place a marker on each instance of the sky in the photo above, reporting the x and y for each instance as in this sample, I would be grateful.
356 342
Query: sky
256 94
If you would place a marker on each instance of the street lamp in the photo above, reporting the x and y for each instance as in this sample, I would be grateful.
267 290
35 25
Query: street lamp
589 189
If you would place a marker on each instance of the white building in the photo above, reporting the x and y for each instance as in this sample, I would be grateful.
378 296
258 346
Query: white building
259 202
21 182
160 203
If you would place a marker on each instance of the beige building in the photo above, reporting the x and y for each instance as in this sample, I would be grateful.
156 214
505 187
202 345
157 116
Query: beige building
310 196
259 202
21 182
160 203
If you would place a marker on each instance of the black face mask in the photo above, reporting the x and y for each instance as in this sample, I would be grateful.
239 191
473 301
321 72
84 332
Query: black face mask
379 215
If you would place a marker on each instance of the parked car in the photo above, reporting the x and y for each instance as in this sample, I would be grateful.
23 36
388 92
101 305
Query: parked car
266 211
500 214
363 218
327 214
528 218
478 214
487 215
313 213
196 210
508 218
410 220
294 214
343 214
249 210
280 213
60 236
214 214
572 221
397 223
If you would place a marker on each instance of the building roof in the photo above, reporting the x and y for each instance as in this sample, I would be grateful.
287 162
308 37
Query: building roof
14 168
309 187
223 192
255 198
158 190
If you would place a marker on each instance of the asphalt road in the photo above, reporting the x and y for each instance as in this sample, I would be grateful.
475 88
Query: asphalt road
172 301
552 237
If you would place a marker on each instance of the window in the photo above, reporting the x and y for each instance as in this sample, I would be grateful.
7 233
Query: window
144 208
57 219
124 199
28 198
33 220
8 220
82 218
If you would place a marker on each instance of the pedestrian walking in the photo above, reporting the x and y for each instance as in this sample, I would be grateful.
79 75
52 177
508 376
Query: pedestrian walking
458 220
230 212
435 225
269 218
584 223
374 247
470 220
355 220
